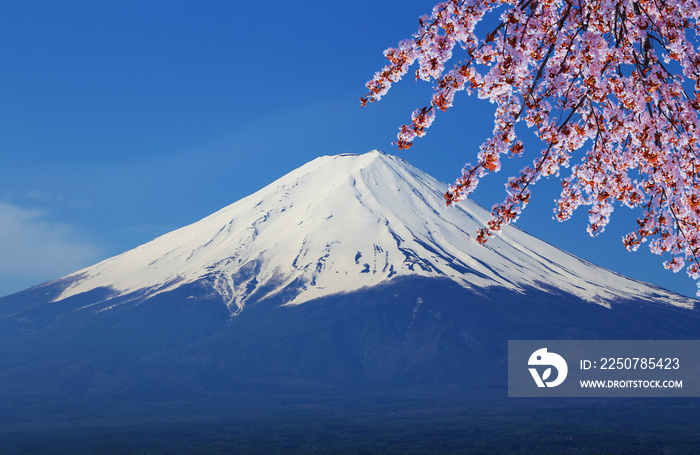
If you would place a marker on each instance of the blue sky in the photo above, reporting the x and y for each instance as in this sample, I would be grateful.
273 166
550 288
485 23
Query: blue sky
123 120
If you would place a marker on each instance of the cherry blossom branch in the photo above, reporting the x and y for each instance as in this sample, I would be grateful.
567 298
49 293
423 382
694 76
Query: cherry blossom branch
575 71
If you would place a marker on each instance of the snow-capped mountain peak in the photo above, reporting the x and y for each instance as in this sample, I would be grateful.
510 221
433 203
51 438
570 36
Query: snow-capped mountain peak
340 223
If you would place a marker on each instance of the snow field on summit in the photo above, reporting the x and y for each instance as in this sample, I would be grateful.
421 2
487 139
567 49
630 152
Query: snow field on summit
341 223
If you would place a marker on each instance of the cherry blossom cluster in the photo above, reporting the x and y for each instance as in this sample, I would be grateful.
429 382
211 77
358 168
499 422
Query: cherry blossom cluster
609 86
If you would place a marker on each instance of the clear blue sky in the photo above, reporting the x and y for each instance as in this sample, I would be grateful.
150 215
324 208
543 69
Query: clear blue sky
122 120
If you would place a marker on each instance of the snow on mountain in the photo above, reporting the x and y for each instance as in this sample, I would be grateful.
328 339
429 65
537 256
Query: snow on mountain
340 223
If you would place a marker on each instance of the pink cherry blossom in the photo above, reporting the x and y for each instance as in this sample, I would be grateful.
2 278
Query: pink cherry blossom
610 87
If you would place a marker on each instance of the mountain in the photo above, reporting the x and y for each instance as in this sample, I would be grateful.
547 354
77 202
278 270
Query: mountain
347 275
340 224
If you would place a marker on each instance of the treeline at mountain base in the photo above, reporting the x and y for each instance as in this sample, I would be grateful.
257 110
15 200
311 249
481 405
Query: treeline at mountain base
382 425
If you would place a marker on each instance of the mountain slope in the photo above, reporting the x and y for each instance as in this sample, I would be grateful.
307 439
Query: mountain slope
341 223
